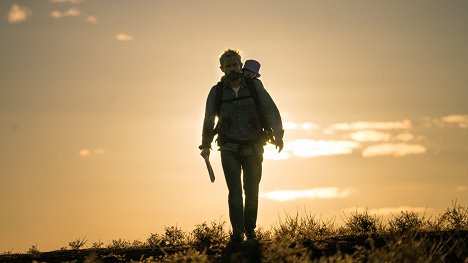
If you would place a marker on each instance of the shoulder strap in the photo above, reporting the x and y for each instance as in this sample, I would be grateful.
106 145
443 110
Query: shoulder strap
219 97
254 94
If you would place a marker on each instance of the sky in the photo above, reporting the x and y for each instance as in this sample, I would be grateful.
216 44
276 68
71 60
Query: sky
102 104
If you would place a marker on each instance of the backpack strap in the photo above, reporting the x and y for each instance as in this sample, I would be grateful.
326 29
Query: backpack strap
253 92
218 98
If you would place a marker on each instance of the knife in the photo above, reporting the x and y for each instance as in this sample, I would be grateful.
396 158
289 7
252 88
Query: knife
210 169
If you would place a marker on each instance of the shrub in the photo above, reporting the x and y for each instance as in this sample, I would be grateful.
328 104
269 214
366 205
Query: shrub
311 228
455 218
33 251
302 229
190 255
408 248
204 236
287 230
285 251
362 223
263 235
78 243
97 244
137 244
154 240
406 222
119 244
173 236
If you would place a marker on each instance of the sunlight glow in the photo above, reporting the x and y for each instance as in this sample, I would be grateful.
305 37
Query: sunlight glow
314 193
271 153
396 150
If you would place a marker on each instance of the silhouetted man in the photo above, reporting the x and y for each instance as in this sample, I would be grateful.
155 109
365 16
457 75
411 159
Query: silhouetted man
240 138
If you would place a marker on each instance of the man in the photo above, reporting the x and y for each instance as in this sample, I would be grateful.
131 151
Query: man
240 139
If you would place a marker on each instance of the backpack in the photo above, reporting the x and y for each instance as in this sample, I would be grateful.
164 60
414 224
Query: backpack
266 134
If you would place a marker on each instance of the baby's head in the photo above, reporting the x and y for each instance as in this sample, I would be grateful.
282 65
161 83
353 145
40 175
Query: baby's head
251 69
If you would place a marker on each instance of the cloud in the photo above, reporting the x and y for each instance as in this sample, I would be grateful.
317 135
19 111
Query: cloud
370 136
314 193
405 137
65 1
123 37
396 150
84 152
92 19
303 126
69 13
364 125
460 120
388 210
306 148
18 14
462 188
88 152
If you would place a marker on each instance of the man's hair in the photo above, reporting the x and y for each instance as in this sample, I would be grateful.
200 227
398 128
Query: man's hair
229 53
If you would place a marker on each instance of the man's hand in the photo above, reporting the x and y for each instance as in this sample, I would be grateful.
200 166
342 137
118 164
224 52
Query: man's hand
279 145
205 153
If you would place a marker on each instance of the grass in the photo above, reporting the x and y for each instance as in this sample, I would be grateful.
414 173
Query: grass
406 237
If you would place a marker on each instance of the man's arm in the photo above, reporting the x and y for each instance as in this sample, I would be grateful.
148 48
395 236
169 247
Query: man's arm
208 123
271 112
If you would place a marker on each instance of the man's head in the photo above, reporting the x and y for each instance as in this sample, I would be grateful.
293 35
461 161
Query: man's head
230 64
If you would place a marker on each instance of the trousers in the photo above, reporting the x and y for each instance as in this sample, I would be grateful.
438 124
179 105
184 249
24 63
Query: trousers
243 217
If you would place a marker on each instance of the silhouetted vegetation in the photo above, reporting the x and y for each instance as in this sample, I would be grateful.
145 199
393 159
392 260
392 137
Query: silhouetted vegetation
406 237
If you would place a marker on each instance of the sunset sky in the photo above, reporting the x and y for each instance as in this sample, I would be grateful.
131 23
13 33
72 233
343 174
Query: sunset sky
102 104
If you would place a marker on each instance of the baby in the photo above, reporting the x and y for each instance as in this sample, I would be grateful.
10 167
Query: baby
251 69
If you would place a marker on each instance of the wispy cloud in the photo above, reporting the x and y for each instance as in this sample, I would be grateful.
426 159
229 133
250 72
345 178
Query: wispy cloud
462 188
395 149
460 120
388 210
370 136
123 37
306 148
72 12
18 14
88 152
365 125
314 193
65 1
300 126
92 19
405 137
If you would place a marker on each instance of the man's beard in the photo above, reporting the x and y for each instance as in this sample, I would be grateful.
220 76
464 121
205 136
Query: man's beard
233 76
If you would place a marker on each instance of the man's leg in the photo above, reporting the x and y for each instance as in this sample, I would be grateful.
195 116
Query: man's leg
232 172
252 166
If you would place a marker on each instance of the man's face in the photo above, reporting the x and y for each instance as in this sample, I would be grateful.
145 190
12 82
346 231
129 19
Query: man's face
231 68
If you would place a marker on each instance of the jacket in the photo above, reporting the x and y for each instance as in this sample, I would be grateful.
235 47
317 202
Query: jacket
238 120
